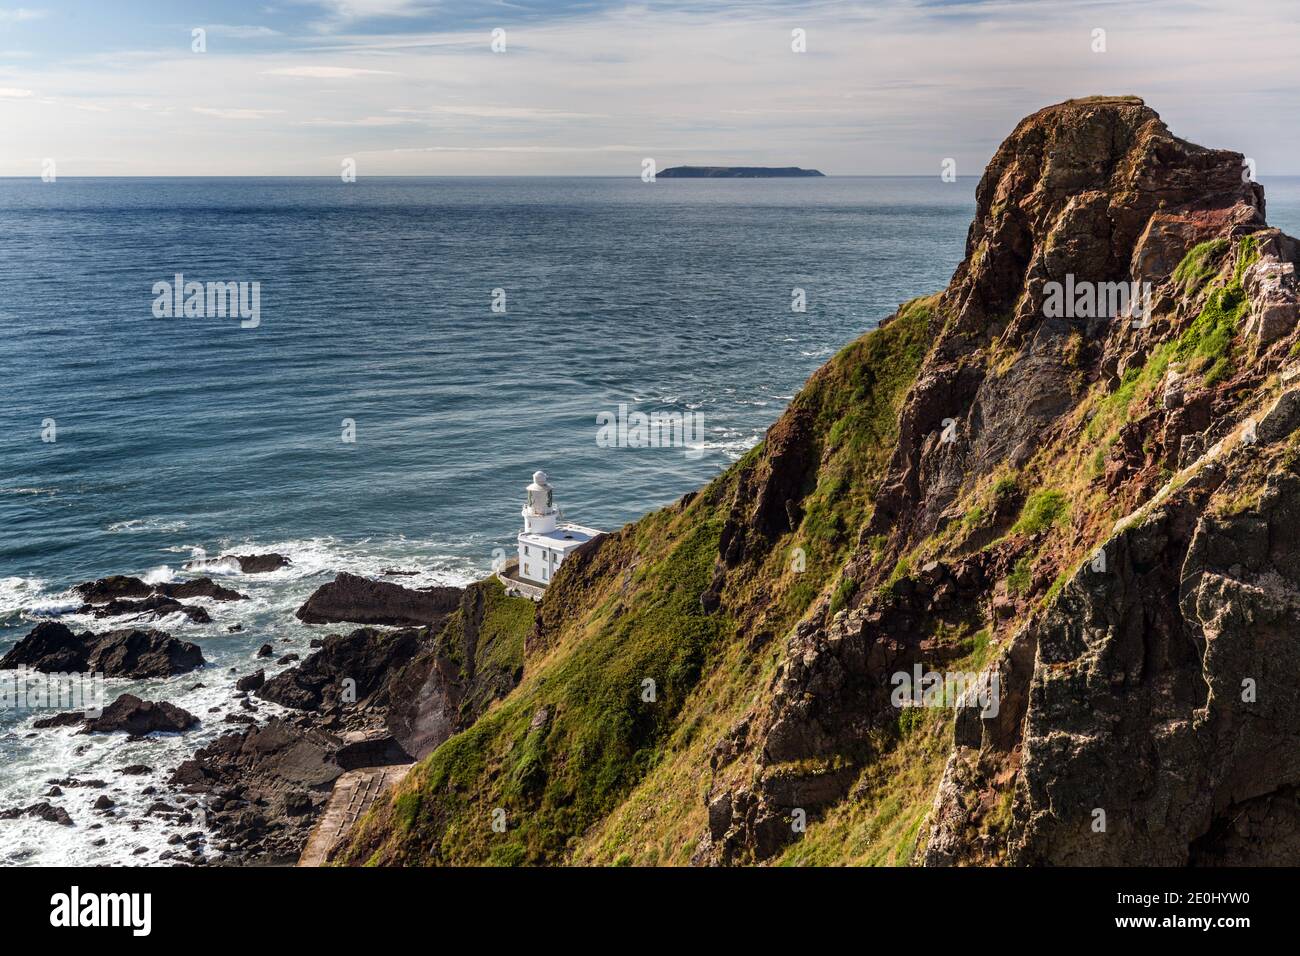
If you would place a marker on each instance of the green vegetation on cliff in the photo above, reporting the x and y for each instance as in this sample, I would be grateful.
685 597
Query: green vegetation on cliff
596 755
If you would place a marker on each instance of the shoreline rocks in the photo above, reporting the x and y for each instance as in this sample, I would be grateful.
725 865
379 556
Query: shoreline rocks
139 717
366 657
357 600
265 786
52 647
247 563
125 587
156 605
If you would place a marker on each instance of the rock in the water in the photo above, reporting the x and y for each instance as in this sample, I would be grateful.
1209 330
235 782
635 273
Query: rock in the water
68 718
251 681
155 605
200 587
362 601
138 653
136 716
115 586
258 563
42 811
51 647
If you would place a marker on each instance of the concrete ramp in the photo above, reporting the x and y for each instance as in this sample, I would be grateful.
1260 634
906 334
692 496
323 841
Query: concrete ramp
354 793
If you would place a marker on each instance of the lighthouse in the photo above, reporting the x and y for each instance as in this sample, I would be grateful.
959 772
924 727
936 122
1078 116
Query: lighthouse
545 541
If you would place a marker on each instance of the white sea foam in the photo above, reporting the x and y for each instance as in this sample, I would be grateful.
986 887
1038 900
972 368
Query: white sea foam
159 575
141 525
17 594
266 617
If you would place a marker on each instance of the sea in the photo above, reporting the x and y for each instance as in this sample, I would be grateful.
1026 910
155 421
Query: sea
419 347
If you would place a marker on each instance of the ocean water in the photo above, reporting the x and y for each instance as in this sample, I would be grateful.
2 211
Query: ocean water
376 306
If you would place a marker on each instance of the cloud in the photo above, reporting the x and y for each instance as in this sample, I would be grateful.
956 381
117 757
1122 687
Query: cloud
21 15
503 112
362 121
9 92
241 32
235 114
346 12
325 72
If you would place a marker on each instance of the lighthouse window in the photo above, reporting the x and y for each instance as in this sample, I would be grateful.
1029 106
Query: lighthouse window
525 549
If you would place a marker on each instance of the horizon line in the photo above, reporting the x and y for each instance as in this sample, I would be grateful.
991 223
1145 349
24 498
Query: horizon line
335 176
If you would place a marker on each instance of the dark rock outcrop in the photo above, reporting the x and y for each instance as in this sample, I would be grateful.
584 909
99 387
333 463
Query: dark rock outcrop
200 588
347 670
138 717
251 681
363 601
156 606
1123 694
264 787
52 647
452 681
41 811
119 586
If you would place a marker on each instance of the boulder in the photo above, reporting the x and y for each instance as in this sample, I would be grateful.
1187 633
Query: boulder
200 587
114 586
41 811
251 681
137 717
139 653
51 647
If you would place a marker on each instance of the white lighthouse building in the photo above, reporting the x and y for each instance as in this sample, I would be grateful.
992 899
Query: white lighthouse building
545 543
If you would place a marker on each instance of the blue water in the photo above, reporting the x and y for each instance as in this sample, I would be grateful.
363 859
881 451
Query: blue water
376 306
183 433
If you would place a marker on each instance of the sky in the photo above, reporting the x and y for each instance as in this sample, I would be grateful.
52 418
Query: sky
585 87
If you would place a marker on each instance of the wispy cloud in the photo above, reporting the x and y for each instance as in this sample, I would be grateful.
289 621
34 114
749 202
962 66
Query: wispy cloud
502 112
10 92
20 14
242 32
325 72
235 114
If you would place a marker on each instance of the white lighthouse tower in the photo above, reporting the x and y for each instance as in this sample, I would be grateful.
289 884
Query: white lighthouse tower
539 508
545 541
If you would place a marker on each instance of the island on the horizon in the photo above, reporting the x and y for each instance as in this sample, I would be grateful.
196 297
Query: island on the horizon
736 172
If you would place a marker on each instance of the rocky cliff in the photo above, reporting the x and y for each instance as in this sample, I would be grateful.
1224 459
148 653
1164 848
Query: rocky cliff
1085 498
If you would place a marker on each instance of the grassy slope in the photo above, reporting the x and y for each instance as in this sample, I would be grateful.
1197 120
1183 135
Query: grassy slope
495 626
585 768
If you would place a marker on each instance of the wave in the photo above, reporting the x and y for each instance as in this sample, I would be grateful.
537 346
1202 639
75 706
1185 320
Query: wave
17 594
143 525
